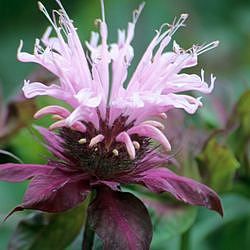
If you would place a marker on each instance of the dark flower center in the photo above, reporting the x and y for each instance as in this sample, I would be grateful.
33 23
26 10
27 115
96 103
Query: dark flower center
107 158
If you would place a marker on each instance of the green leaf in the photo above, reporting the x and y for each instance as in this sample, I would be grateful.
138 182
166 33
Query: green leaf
26 142
211 232
229 236
170 221
243 111
218 165
40 231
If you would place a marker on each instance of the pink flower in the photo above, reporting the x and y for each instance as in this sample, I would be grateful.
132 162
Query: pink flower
87 85
104 137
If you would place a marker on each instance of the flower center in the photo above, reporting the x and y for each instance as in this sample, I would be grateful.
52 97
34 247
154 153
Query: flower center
97 151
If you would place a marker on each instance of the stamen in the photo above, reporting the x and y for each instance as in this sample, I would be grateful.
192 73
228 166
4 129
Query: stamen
180 23
115 152
137 12
103 10
82 141
45 12
96 149
136 145
204 48
95 140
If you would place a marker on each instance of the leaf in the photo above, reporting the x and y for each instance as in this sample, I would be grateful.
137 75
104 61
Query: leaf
25 142
237 210
170 221
182 188
16 115
55 192
121 220
243 111
218 165
228 236
40 231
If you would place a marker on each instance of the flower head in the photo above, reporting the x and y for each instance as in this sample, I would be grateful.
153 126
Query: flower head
93 82
104 138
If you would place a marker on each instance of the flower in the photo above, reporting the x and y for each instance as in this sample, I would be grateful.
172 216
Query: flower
104 138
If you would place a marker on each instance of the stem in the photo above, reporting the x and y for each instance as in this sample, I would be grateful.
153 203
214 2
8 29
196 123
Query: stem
89 233
185 240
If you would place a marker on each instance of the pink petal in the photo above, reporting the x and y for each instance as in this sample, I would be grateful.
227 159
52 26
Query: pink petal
52 110
125 138
151 132
37 89
95 140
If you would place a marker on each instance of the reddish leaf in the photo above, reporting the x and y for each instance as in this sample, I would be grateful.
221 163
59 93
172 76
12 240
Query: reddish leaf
20 172
55 192
120 220
182 188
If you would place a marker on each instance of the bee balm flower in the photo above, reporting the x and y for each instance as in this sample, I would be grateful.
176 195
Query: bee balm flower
103 140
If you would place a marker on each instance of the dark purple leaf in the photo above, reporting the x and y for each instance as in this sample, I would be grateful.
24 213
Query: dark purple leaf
56 192
12 172
182 188
120 220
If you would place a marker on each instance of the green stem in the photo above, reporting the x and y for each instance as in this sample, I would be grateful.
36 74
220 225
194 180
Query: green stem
185 240
89 233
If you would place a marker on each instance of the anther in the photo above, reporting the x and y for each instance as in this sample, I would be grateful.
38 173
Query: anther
96 149
82 141
136 145
41 6
115 152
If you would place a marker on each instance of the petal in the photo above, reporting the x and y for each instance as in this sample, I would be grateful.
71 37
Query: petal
151 132
88 98
12 172
95 140
37 89
186 102
185 82
125 138
52 110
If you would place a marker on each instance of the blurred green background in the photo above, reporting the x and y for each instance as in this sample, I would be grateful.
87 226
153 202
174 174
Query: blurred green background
227 21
